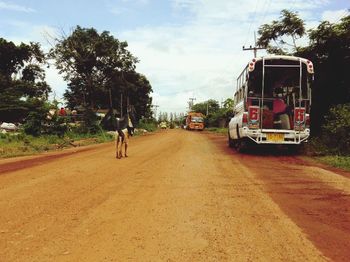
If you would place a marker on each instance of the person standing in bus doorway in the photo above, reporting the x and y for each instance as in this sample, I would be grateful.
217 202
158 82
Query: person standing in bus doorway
280 110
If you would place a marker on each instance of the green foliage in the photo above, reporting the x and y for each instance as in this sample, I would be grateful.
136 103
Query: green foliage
99 68
329 50
289 25
212 106
22 80
335 131
217 117
37 123
20 144
33 125
336 161
148 124
90 123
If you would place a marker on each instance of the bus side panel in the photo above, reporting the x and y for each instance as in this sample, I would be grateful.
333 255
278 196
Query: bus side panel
236 121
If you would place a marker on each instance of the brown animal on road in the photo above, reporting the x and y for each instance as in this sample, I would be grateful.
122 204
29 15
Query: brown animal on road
122 136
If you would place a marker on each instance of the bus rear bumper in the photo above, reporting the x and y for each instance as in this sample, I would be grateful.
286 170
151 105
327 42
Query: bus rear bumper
276 136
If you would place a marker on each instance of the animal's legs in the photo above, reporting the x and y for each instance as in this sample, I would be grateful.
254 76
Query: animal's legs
119 148
116 146
126 149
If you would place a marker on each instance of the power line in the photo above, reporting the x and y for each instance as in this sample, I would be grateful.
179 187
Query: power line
266 8
254 48
251 21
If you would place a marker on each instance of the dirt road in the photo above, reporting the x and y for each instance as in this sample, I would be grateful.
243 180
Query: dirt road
180 196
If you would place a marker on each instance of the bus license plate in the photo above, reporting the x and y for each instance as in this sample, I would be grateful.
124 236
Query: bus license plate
275 137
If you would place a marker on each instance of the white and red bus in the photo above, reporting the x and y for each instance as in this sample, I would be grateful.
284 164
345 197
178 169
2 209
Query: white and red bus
272 102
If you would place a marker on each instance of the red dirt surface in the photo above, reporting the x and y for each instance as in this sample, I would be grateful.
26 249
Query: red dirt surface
179 196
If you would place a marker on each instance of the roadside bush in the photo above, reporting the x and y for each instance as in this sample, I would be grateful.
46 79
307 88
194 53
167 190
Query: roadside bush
219 118
335 131
148 124
90 122
56 126
34 123
37 124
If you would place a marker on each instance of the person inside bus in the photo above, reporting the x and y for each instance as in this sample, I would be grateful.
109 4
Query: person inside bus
280 110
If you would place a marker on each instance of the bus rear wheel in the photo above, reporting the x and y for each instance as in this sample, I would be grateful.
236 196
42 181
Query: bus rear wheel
242 145
231 142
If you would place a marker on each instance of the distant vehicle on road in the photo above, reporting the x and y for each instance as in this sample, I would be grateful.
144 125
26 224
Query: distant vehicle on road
195 121
163 125
272 102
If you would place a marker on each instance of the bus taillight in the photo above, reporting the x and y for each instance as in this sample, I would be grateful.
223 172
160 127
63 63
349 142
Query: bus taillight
252 65
299 118
310 67
245 119
253 113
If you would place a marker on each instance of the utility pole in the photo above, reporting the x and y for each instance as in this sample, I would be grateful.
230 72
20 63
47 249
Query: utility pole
110 99
155 110
190 103
121 105
128 108
254 48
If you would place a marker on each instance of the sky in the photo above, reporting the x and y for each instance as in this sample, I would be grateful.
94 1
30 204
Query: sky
187 48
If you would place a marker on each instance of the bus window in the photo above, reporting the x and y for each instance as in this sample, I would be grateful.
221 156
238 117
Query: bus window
255 81
285 79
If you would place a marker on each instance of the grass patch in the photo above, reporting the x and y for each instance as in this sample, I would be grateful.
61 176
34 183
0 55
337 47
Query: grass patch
218 130
19 144
148 125
336 161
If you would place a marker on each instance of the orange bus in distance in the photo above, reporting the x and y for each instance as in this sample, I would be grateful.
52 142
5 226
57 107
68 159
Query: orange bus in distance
195 121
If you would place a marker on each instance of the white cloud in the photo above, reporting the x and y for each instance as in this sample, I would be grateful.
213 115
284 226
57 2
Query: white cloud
203 57
334 15
14 7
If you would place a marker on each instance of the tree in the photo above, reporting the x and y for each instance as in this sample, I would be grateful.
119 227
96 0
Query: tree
133 86
216 116
99 70
90 61
212 106
290 26
336 129
329 49
22 80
